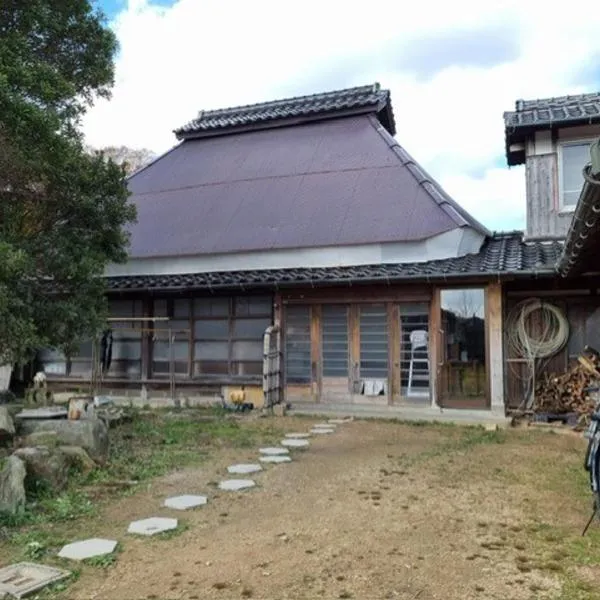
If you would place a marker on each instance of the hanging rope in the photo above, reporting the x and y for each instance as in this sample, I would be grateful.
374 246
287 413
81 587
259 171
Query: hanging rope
535 330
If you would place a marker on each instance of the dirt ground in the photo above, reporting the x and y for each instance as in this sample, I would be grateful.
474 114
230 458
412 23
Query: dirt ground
376 510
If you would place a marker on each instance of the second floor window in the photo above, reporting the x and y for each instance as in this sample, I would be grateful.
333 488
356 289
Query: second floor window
573 156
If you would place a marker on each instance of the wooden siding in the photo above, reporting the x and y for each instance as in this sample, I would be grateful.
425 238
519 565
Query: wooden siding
582 309
544 218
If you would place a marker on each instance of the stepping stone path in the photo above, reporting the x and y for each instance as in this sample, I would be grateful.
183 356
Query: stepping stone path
295 443
185 502
235 485
324 426
88 549
338 421
152 526
244 468
273 451
322 430
297 436
21 579
275 459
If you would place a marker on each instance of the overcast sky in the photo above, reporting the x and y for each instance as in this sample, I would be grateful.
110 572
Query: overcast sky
453 68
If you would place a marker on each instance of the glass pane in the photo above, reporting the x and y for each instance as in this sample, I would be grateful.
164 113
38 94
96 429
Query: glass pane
463 324
574 158
335 341
126 350
247 351
211 350
250 328
214 329
373 342
160 350
211 307
181 308
414 349
297 344
211 368
160 307
253 305
248 368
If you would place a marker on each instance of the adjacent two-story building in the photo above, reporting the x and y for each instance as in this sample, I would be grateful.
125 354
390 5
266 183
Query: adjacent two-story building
309 215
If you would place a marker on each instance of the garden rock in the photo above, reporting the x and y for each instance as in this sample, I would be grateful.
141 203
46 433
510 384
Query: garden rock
41 438
88 549
12 485
89 434
78 458
7 427
45 465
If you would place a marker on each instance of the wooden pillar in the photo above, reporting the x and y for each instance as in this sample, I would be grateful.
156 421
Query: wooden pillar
354 333
494 345
394 342
315 352
146 366
435 346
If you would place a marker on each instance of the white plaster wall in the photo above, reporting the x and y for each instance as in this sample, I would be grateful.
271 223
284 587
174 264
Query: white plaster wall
457 242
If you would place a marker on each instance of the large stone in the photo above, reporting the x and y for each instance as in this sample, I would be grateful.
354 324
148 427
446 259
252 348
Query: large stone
89 434
273 451
41 438
12 485
293 443
7 427
78 458
275 459
48 466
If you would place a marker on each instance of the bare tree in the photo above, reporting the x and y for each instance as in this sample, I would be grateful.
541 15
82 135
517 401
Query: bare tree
131 158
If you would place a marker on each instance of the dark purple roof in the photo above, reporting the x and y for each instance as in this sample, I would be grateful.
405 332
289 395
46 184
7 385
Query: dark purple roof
331 183
501 255
300 109
546 113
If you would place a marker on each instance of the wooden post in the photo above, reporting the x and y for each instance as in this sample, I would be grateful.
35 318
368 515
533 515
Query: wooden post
354 333
494 345
146 366
315 352
394 343
435 348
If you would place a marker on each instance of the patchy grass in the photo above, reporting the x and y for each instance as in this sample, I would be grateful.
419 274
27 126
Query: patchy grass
152 444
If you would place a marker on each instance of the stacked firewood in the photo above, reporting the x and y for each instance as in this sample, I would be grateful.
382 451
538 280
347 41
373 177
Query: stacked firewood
566 392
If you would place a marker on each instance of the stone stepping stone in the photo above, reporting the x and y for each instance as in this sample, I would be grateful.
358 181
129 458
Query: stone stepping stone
297 436
244 468
338 421
22 579
88 549
273 451
319 430
185 502
324 426
295 443
235 485
152 526
275 459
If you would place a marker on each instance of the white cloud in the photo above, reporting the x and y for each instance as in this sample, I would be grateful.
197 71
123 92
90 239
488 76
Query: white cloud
209 53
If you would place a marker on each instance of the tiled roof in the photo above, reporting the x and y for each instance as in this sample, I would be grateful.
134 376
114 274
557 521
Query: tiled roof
554 111
357 100
544 113
582 244
502 255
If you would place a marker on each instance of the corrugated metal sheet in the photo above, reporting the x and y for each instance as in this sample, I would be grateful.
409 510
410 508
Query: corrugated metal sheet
332 183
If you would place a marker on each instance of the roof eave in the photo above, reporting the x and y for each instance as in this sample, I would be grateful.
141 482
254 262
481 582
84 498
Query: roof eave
584 229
